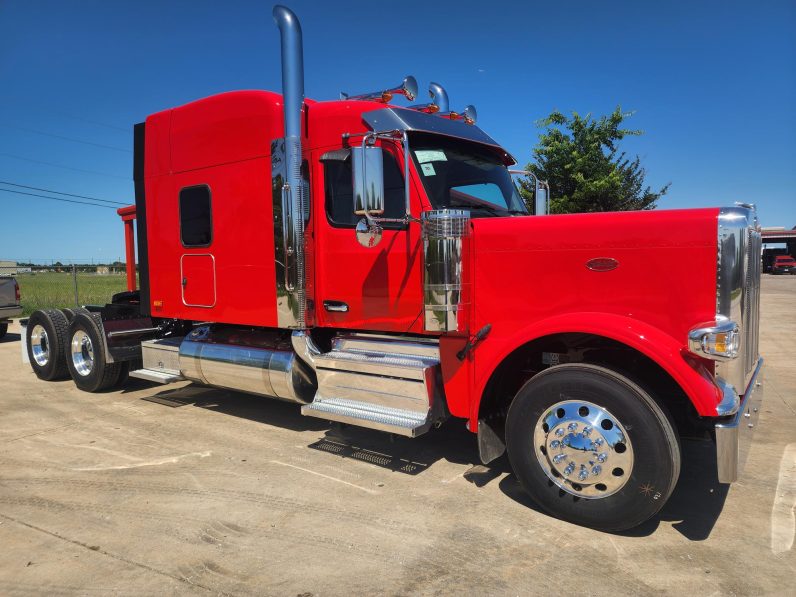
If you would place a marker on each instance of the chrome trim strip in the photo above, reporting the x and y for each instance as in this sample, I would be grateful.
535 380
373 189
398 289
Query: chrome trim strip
734 436
182 277
136 332
730 402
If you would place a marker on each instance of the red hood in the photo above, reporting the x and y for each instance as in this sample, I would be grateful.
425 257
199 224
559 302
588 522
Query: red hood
527 269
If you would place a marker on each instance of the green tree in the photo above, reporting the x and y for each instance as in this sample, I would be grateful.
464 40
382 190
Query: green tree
578 156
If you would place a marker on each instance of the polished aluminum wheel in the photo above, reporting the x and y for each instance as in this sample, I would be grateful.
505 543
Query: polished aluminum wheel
82 353
40 345
583 449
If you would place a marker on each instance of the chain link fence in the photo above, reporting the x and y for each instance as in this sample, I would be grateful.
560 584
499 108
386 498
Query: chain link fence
59 286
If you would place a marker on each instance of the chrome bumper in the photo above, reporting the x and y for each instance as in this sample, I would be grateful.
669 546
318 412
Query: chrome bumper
734 434
9 312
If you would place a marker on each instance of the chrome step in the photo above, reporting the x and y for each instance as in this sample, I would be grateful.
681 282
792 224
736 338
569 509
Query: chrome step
393 420
379 382
157 375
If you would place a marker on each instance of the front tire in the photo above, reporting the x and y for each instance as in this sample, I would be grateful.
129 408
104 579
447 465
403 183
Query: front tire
46 337
592 447
86 357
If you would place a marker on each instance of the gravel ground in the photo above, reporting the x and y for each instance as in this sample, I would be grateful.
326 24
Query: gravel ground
186 490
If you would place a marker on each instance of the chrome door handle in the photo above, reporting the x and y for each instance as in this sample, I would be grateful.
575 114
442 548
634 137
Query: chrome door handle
336 306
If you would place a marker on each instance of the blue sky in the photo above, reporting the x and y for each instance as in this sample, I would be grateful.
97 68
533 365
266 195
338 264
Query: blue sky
713 85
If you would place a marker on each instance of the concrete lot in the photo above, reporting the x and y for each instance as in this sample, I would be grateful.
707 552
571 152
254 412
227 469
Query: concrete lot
185 490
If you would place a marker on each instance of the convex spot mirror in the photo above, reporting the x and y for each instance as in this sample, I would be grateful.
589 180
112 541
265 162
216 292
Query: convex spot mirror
368 233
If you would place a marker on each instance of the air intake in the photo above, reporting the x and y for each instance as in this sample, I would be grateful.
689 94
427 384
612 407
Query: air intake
446 288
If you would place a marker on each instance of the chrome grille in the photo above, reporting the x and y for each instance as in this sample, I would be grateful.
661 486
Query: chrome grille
751 299
738 288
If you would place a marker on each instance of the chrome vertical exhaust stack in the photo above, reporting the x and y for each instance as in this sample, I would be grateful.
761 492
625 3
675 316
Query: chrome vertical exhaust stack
291 194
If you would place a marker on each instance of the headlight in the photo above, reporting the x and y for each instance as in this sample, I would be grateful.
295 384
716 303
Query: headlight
719 341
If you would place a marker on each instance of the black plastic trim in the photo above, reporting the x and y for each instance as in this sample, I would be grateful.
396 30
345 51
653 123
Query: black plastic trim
140 216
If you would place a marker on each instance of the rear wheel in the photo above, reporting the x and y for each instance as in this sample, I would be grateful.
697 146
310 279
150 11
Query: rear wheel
46 337
592 447
86 359
3 330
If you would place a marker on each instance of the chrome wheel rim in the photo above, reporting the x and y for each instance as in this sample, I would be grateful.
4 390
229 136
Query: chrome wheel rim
583 449
82 353
40 345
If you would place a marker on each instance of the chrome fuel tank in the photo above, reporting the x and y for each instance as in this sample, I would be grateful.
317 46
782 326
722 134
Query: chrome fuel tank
253 361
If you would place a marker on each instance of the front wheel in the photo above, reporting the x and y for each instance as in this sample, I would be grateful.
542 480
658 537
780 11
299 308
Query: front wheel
592 447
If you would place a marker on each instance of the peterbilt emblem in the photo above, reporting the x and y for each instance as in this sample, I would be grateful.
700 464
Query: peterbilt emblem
602 264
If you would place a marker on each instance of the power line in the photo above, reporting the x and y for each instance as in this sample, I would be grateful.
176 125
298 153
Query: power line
96 122
55 198
17 157
22 186
65 138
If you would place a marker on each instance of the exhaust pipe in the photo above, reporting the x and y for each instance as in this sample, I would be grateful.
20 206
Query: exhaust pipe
292 74
294 193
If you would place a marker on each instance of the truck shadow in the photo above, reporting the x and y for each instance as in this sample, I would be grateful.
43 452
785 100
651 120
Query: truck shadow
9 337
693 507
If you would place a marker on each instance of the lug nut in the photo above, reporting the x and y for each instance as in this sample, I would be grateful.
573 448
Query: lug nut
572 426
602 457
558 458
596 470
555 444
569 469
586 430
599 441
583 474
559 432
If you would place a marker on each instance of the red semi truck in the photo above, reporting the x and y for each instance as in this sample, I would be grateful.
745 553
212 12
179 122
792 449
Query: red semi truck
375 264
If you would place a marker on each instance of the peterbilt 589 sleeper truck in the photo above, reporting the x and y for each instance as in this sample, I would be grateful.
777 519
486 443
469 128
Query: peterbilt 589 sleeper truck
375 264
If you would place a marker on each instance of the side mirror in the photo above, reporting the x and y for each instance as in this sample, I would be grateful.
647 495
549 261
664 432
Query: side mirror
367 165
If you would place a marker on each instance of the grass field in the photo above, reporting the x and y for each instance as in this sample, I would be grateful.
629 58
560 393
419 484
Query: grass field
46 290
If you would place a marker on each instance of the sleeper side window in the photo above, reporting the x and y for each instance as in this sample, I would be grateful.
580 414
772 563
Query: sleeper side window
196 222
340 193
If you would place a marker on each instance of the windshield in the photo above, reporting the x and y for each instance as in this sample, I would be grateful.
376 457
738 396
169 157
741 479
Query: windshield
460 174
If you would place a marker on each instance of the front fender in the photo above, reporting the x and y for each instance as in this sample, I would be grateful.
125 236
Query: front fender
669 353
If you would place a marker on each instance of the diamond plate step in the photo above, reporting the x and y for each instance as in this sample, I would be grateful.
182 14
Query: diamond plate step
392 365
383 418
157 375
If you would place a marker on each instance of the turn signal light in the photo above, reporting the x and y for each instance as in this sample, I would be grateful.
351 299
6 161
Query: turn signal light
719 342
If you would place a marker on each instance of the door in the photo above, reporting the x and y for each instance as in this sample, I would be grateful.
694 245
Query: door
369 288
198 280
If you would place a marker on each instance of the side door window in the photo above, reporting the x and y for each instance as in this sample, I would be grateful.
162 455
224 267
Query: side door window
339 190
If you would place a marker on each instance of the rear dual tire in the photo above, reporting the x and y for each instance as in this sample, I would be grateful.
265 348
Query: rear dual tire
592 447
86 357
46 338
